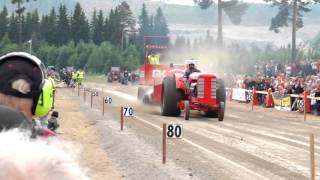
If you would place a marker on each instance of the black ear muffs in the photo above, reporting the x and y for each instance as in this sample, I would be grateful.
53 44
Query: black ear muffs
36 99
43 103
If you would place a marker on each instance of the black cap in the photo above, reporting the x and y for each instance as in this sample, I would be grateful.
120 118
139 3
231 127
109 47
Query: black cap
10 118
20 77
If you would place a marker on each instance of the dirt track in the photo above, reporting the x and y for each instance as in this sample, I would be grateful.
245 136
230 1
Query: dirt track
76 128
263 144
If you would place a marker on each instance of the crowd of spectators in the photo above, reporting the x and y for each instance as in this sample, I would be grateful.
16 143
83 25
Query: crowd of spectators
282 78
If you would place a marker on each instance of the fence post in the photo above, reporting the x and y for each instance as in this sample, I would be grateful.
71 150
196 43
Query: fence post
78 90
91 95
103 102
121 119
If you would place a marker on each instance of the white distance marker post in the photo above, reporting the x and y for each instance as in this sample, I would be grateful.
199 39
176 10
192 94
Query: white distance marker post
93 93
105 100
125 112
171 131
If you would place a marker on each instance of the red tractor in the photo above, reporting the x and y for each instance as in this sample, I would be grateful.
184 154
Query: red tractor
202 92
166 85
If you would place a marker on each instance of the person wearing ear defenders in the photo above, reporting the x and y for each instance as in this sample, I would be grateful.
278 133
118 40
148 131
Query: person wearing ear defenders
23 85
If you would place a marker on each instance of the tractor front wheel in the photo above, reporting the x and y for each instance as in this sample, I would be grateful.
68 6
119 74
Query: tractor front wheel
221 111
186 110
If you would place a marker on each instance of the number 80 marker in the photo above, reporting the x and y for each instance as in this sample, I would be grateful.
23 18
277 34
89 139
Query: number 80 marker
174 131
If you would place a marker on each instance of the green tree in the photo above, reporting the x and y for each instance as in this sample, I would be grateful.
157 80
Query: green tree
144 26
160 24
107 27
3 22
48 27
63 26
234 9
130 58
6 45
97 27
27 28
120 21
113 25
35 23
20 10
79 25
65 54
43 51
13 29
151 24
81 55
290 11
125 16
53 53
100 58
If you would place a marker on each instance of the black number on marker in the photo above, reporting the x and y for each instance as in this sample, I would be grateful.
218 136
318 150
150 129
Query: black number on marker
128 111
174 131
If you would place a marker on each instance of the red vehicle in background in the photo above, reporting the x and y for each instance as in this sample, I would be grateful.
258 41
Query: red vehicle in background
114 74
167 87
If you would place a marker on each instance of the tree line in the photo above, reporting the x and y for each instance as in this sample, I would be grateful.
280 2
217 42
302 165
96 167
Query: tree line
54 35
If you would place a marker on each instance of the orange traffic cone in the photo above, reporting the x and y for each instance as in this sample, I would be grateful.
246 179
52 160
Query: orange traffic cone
269 100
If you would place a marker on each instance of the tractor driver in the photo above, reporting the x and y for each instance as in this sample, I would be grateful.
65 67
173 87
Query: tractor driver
154 58
191 69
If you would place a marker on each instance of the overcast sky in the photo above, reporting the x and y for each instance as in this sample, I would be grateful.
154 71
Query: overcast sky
190 2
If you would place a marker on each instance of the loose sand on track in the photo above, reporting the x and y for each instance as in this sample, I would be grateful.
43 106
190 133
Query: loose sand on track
75 127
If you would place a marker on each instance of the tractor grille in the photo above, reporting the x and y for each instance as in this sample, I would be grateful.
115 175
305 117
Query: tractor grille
201 88
213 88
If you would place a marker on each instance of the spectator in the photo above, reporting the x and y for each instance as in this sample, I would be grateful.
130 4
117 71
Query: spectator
53 121
22 81
316 91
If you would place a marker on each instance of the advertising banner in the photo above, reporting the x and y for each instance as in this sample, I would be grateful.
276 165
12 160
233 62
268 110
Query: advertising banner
239 94
281 101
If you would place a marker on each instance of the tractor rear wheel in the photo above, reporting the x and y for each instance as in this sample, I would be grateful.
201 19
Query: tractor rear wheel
141 92
221 91
170 97
221 99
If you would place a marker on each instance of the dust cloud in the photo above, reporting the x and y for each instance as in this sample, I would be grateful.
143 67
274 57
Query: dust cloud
210 59
24 159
